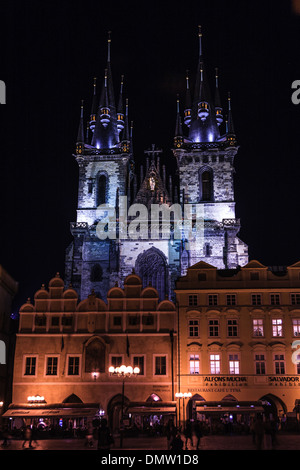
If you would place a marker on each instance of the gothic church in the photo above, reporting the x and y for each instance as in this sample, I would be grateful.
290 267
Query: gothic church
204 150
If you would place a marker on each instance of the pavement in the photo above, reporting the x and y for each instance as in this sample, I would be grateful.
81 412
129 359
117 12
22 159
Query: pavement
211 442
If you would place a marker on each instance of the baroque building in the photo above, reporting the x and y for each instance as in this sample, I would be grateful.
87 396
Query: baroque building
8 290
107 176
239 348
65 347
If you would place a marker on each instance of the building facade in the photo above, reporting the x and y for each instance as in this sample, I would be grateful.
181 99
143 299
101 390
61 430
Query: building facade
8 289
65 348
238 340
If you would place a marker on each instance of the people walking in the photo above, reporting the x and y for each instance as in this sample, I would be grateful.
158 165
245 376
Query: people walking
27 437
171 432
188 433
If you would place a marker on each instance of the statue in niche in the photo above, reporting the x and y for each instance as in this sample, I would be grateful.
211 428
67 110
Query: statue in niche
152 183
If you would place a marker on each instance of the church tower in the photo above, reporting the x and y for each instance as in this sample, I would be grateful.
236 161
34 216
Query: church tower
153 247
205 160
106 168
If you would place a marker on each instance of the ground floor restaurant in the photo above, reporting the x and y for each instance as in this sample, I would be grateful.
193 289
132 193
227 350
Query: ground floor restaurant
150 417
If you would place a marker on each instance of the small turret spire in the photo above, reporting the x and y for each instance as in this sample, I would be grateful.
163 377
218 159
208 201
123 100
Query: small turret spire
200 40
120 123
188 103
126 135
178 138
230 120
108 46
218 107
94 106
80 135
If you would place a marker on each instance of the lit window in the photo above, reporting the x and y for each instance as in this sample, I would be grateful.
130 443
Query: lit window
258 327
194 364
296 326
298 363
277 327
234 364
215 364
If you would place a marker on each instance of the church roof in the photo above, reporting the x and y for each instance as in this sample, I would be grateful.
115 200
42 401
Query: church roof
153 189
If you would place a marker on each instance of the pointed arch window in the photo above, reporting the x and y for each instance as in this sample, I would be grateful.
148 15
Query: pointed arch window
206 184
96 273
102 187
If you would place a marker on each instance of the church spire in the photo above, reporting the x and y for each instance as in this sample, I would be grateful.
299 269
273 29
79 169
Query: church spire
203 125
106 133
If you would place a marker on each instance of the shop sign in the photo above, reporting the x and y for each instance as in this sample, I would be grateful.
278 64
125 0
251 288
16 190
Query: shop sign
284 381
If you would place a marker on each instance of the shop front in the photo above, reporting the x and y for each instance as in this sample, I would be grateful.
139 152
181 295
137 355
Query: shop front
56 419
228 416
150 417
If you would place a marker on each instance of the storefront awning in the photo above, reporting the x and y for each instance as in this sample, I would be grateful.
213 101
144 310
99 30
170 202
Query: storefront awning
151 408
59 410
229 407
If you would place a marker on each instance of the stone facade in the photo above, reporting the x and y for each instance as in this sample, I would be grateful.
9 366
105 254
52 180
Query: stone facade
205 164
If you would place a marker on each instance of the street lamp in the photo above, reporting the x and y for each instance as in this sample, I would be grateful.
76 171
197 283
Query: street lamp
182 395
125 372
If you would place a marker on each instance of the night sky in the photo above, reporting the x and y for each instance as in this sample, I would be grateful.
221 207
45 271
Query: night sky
50 52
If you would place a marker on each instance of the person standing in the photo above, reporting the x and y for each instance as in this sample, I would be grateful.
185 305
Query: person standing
259 431
105 439
198 433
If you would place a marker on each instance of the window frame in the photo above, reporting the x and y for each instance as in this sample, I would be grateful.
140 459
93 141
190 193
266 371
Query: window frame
161 356
30 356
51 356
74 356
